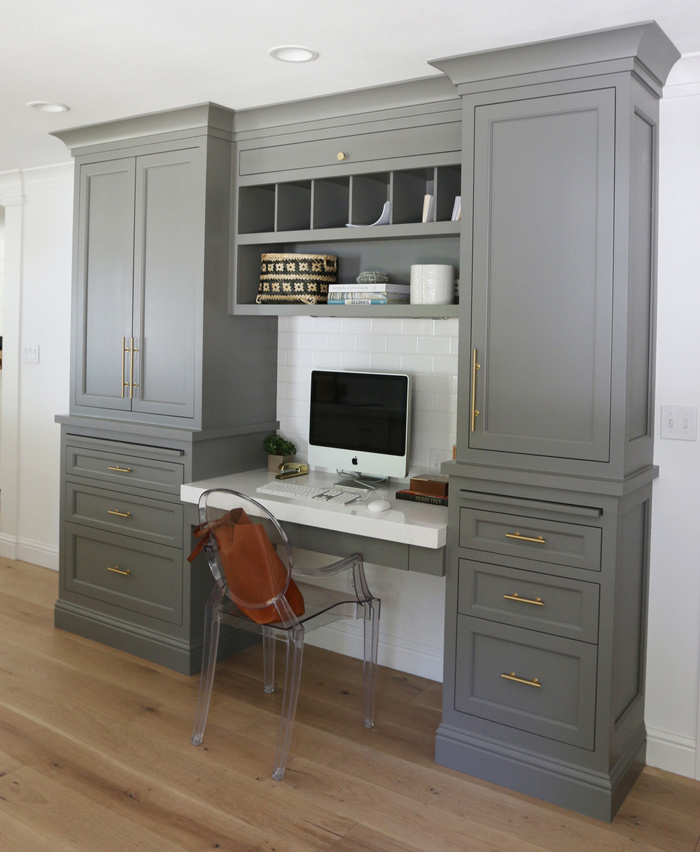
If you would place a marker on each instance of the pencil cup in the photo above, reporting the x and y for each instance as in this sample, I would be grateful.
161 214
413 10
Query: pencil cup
432 284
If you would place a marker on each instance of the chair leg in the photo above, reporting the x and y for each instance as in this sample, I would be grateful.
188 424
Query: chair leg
206 680
369 667
292 679
268 659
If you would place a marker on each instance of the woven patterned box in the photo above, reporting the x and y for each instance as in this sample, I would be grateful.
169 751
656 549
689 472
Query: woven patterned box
296 278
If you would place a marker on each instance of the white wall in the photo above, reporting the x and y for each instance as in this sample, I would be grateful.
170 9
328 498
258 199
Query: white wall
38 231
38 242
673 662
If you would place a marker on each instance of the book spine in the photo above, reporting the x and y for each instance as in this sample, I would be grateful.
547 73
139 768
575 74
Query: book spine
361 300
369 288
421 498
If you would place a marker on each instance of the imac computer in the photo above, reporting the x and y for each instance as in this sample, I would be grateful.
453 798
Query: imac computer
359 426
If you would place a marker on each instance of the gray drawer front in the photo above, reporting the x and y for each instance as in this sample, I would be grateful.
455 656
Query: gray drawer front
562 708
135 471
126 514
532 538
365 147
153 586
527 599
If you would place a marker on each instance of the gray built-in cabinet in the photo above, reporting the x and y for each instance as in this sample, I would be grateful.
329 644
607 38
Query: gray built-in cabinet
164 388
550 493
553 148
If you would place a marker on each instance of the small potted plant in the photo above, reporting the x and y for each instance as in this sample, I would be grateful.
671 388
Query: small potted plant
279 451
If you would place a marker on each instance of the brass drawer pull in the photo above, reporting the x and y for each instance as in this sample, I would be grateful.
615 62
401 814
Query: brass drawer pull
474 413
117 570
118 513
533 682
518 537
516 597
120 469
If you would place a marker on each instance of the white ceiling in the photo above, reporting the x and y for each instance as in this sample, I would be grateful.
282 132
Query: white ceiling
111 60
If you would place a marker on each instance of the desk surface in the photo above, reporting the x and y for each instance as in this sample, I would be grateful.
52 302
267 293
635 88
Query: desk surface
406 522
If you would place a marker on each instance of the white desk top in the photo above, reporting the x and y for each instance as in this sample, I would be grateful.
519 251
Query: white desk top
406 522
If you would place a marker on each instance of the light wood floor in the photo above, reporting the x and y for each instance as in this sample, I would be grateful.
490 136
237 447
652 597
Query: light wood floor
95 756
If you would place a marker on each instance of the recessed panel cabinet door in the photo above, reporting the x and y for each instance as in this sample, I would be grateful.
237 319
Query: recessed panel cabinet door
542 275
167 281
105 272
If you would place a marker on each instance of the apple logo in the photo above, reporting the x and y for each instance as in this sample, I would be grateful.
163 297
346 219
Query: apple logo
354 461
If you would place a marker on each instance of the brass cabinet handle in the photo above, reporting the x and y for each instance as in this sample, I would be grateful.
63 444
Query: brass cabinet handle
120 469
341 156
117 570
512 676
475 366
133 350
124 351
516 597
118 513
518 537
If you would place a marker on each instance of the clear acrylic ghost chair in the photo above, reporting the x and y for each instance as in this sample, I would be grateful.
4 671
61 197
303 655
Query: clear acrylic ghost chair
322 606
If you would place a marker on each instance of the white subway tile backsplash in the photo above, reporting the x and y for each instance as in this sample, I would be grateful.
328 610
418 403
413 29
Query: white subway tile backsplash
386 363
402 344
424 348
327 360
434 345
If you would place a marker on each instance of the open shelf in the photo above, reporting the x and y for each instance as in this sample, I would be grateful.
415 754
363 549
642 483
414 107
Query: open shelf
310 217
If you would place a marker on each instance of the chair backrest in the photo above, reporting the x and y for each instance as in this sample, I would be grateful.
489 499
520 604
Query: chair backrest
248 551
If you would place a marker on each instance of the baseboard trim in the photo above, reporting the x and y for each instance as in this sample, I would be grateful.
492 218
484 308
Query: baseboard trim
671 752
27 550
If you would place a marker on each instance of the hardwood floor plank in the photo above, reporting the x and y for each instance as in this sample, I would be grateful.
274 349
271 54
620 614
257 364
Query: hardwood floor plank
92 739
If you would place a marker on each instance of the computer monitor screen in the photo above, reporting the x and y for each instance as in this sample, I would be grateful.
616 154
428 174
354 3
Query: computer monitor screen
359 422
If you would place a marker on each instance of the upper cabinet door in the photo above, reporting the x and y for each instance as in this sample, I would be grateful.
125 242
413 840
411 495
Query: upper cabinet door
168 274
542 275
104 283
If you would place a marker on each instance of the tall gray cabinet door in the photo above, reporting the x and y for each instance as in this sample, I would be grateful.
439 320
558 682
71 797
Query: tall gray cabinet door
542 275
167 280
104 283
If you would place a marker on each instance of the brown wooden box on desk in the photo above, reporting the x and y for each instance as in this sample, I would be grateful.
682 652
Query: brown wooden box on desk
430 485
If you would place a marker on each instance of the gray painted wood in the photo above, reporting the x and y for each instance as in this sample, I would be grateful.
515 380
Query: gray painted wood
542 275
104 282
561 707
167 280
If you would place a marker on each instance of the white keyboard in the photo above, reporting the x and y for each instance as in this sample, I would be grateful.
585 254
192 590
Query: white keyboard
305 492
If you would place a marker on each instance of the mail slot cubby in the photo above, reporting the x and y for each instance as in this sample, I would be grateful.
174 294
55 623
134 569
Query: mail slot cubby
368 195
256 209
293 206
331 203
410 187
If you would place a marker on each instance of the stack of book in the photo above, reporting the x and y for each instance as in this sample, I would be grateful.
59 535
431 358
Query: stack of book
428 488
381 293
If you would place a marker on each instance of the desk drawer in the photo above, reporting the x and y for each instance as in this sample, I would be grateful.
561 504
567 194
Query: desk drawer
138 576
126 469
533 538
141 517
561 707
527 599
363 147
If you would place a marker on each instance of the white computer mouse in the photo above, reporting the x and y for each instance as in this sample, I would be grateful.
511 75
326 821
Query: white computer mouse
379 506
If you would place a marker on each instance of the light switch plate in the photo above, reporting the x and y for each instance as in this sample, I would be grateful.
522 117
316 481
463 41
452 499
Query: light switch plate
679 422
30 353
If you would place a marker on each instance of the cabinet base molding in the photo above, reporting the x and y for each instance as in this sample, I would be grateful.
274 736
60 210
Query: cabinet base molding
595 794
169 651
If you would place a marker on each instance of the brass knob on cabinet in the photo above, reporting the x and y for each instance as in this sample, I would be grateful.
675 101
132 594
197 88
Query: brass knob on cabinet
341 156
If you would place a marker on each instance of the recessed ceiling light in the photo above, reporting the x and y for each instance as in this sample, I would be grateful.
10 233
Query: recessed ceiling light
47 106
293 53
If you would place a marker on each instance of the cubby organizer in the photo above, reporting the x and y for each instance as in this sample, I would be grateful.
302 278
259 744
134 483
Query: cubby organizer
311 216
